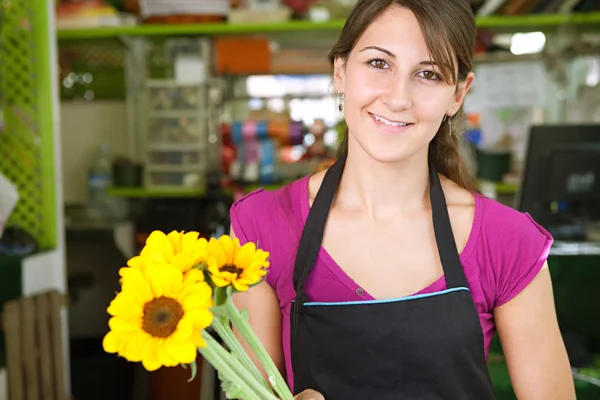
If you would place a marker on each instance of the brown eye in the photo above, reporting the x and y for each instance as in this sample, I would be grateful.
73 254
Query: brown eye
430 75
379 63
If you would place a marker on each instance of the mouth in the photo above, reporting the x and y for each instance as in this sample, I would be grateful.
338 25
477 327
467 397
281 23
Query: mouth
386 123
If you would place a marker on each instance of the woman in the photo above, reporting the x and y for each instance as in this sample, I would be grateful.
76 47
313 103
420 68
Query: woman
389 272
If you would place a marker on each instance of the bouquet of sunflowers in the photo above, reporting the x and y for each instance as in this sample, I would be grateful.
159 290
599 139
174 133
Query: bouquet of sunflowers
178 287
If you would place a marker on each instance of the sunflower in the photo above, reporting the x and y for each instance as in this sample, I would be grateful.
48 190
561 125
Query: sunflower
230 264
159 315
182 249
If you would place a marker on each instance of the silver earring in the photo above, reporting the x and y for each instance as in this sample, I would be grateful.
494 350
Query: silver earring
450 125
341 102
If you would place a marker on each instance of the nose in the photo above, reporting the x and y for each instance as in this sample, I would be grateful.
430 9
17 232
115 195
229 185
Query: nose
396 95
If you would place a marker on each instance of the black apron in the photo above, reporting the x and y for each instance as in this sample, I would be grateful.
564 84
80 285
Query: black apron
418 347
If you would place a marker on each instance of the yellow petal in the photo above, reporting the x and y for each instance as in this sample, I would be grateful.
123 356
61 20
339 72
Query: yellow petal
217 253
200 317
150 359
240 287
193 276
112 342
197 339
188 240
136 285
220 282
134 345
184 329
175 239
124 325
251 277
213 266
244 255
165 357
126 307
184 352
165 280
187 291
200 299
229 246
183 261
200 250
136 262
158 248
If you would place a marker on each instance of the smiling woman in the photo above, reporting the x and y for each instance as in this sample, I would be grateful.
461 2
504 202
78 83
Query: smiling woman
389 273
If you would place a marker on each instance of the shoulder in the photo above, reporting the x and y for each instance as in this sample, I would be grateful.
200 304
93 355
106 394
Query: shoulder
259 212
273 220
508 226
511 248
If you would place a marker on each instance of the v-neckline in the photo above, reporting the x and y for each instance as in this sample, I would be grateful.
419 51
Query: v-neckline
351 284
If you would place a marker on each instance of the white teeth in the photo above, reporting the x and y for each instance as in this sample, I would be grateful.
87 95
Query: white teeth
388 122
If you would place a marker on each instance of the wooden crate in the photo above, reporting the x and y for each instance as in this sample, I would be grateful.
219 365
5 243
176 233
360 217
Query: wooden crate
34 348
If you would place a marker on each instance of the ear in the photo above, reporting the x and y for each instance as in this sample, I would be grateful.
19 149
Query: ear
339 75
461 92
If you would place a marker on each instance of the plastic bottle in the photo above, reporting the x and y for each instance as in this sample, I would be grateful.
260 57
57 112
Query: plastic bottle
99 180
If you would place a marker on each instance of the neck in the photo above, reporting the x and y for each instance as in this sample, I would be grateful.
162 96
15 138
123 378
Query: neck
383 189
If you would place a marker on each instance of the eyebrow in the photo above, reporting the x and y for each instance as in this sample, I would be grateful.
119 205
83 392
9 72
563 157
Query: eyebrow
381 49
389 53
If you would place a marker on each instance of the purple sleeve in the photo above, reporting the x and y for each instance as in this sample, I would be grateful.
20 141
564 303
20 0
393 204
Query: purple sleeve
521 249
246 214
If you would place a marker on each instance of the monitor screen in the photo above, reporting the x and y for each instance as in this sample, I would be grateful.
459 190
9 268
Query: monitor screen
573 174
561 175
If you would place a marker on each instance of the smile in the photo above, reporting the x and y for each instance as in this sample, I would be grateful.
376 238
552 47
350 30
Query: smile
388 122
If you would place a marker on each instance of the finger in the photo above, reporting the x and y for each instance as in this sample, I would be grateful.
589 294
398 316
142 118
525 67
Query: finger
310 394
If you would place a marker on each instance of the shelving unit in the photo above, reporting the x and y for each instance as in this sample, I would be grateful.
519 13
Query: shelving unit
302 31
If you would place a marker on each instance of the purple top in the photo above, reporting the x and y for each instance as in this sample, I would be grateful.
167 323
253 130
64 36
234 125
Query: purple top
504 252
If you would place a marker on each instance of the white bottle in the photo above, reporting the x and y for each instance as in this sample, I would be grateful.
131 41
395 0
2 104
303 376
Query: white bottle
99 180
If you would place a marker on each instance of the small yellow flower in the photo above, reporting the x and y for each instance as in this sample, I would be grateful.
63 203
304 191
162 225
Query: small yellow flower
230 264
182 249
158 316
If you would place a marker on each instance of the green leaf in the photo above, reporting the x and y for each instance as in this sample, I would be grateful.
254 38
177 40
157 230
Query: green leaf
221 295
244 314
220 311
194 371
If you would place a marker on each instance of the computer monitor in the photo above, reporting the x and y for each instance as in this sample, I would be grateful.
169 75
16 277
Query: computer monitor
560 186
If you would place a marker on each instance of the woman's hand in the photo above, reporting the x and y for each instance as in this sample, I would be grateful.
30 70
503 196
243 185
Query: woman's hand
309 394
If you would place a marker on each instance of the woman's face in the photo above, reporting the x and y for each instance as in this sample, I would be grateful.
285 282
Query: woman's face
394 95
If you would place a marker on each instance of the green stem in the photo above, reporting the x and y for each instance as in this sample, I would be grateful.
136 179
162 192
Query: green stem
275 378
263 392
209 353
221 326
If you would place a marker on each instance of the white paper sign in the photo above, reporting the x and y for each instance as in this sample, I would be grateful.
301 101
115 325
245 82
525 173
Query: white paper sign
514 84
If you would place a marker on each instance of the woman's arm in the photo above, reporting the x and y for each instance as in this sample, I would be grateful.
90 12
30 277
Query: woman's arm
532 343
265 319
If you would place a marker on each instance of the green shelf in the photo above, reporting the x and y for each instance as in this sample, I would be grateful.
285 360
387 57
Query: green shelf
208 29
541 22
155 193
501 187
521 23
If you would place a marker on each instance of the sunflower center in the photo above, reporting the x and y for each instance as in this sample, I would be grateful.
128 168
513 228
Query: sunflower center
231 268
161 317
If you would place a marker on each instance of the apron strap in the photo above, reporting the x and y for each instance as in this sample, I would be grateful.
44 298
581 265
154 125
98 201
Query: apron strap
444 237
312 234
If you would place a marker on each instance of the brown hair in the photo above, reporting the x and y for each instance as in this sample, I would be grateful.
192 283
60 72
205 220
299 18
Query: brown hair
449 30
